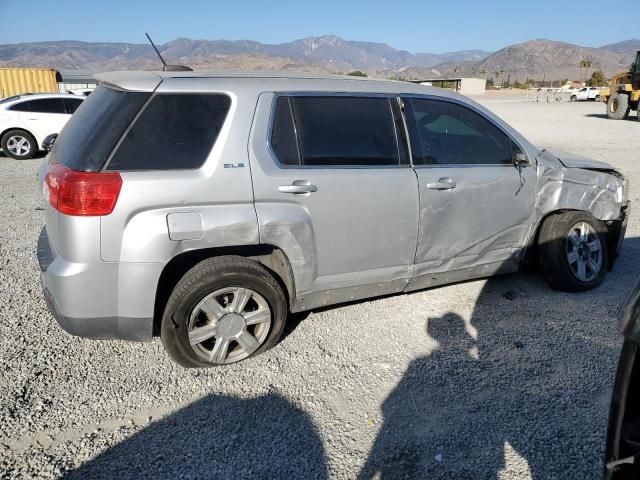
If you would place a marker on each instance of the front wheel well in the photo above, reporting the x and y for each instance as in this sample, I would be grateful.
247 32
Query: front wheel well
270 257
613 233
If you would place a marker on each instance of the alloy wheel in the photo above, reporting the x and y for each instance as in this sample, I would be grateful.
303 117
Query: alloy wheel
18 145
229 324
584 252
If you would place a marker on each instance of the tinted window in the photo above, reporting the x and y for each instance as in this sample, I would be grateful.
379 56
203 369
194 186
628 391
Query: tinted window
21 107
448 133
71 105
345 131
91 133
283 136
44 105
175 131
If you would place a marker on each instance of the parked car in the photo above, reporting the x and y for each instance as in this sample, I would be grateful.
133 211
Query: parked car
622 458
83 92
586 93
25 121
205 207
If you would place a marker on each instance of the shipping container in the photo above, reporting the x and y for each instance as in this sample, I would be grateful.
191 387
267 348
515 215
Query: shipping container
15 81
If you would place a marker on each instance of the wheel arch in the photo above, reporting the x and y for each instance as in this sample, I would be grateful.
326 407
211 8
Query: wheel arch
614 230
22 129
269 256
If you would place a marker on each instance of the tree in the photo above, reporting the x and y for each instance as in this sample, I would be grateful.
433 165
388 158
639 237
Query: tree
586 64
598 79
357 73
499 73
456 70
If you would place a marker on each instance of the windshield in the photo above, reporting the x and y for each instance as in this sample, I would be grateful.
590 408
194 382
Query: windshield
94 129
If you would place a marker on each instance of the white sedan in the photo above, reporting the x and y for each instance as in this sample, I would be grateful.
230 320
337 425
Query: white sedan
25 121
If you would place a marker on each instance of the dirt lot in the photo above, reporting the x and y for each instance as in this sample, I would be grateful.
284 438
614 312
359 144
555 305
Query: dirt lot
499 378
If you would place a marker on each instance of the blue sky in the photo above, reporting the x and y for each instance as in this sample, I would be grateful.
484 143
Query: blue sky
418 26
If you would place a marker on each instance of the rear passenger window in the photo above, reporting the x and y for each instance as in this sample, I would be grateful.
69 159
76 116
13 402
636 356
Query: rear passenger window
21 107
45 105
174 131
283 136
337 131
446 133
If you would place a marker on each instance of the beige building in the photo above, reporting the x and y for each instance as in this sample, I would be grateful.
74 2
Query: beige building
465 86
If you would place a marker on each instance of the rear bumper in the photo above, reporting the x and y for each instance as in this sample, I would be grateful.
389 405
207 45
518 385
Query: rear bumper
100 300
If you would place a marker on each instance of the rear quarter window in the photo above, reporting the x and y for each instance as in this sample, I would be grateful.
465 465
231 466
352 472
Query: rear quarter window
174 131
90 135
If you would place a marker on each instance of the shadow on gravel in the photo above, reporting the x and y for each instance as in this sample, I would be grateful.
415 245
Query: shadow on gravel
494 390
218 437
631 117
37 156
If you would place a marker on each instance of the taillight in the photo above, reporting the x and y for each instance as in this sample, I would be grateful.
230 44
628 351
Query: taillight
82 193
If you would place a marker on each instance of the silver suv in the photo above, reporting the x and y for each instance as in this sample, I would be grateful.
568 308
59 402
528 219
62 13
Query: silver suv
204 207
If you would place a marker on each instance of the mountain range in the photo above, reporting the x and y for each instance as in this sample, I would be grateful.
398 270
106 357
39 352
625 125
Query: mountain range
328 54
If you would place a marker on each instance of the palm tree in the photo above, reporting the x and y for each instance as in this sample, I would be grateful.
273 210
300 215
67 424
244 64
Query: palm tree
586 64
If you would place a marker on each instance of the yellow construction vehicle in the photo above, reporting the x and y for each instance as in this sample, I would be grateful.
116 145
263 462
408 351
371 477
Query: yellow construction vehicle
623 94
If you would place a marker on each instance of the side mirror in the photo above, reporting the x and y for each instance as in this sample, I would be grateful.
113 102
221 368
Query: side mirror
520 159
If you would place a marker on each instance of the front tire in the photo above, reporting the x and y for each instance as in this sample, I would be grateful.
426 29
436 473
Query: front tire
573 251
19 145
618 106
222 311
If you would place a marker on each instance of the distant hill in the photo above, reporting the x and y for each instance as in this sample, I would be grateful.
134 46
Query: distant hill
628 46
326 52
552 60
535 59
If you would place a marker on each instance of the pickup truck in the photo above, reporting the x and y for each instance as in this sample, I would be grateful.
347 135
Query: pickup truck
586 93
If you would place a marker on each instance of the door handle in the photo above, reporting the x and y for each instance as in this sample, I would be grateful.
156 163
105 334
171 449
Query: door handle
299 187
444 183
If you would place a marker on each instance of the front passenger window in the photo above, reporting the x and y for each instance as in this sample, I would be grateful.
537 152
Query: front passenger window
447 133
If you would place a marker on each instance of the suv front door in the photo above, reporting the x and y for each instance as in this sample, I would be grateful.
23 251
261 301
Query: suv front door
475 205
334 190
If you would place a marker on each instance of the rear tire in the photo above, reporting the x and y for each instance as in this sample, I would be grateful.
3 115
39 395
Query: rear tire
618 106
574 98
222 311
572 250
19 145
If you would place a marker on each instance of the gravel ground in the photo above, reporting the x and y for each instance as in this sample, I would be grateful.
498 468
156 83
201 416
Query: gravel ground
499 378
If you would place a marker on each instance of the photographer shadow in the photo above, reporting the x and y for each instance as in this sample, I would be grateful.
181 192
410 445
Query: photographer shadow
218 436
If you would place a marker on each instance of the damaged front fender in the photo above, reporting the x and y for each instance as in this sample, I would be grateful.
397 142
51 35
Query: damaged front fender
598 191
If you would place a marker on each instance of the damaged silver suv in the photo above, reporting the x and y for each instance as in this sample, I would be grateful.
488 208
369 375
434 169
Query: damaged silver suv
204 207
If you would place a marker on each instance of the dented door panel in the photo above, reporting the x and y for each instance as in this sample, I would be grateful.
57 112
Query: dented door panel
484 219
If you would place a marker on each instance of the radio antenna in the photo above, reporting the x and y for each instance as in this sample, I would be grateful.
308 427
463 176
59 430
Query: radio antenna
165 67
164 64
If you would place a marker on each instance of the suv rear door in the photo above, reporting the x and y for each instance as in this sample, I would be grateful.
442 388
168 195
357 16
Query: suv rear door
334 189
475 205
